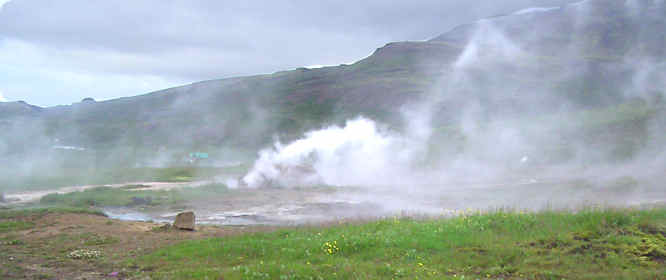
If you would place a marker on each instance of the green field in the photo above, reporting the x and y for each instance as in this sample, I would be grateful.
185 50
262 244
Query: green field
127 196
590 244
81 176
41 211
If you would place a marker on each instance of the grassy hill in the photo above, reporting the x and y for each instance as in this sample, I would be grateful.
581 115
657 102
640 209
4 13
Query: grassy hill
582 57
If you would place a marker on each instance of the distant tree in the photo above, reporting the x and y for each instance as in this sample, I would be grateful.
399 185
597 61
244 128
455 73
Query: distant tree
88 100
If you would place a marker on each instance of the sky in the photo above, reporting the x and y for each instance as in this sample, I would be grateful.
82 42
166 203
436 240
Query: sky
59 52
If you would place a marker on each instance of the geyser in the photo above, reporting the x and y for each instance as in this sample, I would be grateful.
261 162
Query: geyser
358 154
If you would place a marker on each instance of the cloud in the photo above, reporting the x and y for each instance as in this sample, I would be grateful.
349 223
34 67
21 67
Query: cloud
179 40
2 97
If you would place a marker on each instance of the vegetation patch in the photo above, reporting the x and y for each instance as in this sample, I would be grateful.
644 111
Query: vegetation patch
591 244
30 212
82 176
107 196
132 196
93 239
8 226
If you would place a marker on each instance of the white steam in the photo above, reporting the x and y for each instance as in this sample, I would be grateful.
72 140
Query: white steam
511 138
488 43
2 3
536 10
359 154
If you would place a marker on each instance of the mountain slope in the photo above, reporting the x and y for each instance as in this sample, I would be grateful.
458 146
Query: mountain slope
584 56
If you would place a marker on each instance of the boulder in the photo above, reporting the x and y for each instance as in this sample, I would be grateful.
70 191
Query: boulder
185 221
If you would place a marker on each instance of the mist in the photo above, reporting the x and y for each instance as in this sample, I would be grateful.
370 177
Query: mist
486 139
479 139
544 107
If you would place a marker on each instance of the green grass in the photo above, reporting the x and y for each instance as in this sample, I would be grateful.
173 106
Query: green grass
126 196
83 176
7 226
19 213
618 133
201 193
107 196
591 244
92 239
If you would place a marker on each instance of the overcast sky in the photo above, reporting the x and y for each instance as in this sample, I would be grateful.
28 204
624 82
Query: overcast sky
60 51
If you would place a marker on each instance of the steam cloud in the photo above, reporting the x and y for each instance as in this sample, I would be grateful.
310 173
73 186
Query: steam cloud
519 145
361 153
493 120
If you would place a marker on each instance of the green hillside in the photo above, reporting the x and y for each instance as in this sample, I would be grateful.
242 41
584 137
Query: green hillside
576 59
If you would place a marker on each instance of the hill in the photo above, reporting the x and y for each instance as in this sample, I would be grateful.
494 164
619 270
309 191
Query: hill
588 56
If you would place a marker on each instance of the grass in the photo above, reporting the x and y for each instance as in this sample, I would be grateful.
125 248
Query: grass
107 196
126 196
591 244
20 219
74 176
618 133
8 226
20 213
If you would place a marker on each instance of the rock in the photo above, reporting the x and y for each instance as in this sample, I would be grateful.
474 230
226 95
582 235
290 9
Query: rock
185 221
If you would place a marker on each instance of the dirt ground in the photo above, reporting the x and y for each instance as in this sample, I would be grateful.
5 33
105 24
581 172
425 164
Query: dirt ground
43 251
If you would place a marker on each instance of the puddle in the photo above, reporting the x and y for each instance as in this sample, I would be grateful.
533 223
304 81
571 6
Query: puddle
129 215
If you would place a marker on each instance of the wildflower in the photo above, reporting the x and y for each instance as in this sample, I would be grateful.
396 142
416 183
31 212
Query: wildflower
331 247
84 254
